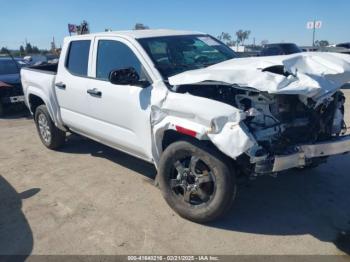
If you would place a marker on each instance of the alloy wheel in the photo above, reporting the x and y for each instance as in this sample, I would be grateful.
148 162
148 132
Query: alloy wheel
44 128
192 181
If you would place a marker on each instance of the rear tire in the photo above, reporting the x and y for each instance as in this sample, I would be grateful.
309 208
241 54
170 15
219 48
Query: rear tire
196 181
50 135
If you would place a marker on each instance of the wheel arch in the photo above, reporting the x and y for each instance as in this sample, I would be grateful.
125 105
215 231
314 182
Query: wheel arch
35 97
170 136
171 130
34 102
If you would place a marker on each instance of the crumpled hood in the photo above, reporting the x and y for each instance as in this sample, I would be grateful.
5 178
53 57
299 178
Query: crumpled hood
311 74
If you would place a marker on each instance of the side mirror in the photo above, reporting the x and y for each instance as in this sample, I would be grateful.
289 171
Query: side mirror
126 76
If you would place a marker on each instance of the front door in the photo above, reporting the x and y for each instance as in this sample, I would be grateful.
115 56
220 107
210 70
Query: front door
121 113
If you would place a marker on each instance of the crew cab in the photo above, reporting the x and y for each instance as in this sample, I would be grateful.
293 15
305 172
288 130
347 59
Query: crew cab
184 102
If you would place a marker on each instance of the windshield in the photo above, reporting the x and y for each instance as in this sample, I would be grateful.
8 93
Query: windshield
8 67
175 54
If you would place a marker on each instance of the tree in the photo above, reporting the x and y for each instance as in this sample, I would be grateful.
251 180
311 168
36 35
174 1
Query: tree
29 48
242 36
321 43
231 43
21 50
264 42
225 37
4 50
140 26
35 50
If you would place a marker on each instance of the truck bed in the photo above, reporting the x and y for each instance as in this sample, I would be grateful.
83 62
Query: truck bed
46 68
40 81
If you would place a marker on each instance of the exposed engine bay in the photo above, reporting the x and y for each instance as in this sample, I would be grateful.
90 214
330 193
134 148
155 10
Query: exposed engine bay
279 122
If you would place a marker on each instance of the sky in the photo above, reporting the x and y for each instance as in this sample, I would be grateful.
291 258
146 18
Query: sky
39 21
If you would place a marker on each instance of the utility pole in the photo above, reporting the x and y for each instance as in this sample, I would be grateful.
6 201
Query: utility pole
313 33
53 45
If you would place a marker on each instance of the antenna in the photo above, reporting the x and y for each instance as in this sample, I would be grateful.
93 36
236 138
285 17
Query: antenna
13 59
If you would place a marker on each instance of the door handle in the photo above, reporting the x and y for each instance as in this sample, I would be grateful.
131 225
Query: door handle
60 85
94 92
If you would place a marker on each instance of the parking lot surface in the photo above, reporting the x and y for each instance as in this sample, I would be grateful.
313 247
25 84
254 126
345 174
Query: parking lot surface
90 199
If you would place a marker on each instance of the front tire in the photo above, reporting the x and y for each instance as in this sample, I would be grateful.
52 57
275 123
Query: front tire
196 181
50 135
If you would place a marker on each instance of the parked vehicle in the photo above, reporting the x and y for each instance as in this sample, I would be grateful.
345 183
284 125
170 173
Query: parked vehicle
309 48
52 59
280 49
342 49
10 84
343 45
183 101
35 59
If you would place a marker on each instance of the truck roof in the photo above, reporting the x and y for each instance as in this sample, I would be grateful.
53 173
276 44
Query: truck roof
137 34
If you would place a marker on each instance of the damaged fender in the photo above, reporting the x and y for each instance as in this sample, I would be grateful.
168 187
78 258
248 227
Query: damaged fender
203 119
233 139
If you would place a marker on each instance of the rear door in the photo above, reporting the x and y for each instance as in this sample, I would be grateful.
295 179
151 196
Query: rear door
72 82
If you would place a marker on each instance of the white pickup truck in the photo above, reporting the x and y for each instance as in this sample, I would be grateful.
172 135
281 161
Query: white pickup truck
185 102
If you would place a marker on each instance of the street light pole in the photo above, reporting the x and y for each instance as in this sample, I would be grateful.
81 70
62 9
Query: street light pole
313 33
314 25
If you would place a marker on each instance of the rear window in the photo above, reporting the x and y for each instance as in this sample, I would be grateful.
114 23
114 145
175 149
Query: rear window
78 57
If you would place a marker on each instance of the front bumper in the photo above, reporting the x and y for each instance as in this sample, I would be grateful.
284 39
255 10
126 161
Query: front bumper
303 155
299 159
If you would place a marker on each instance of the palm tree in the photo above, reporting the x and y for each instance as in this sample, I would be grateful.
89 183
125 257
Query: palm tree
225 37
242 36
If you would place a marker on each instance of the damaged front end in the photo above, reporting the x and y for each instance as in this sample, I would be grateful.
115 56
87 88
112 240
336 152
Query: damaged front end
290 133
275 132
292 112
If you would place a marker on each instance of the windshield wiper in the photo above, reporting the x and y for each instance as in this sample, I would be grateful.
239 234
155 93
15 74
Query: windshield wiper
183 65
177 65
213 63
209 64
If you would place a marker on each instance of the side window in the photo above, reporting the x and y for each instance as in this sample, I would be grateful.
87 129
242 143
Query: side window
78 57
114 55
